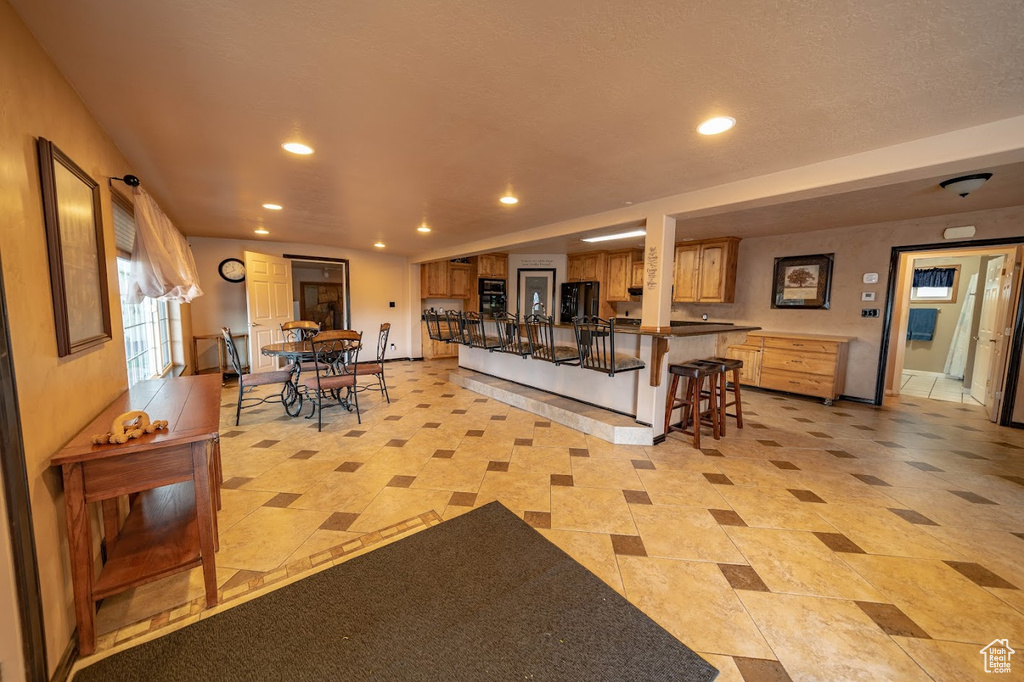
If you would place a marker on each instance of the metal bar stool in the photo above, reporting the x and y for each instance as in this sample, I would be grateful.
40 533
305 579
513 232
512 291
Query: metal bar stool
734 366
693 394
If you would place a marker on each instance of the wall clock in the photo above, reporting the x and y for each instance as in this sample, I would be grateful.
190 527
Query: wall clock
232 269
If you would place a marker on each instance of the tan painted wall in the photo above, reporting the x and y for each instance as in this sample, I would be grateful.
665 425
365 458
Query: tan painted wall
58 396
12 663
860 249
930 356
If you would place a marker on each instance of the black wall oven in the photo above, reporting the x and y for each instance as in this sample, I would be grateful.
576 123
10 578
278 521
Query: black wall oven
493 296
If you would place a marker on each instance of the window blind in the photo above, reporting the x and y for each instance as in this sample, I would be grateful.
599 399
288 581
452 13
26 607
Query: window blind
934 277
124 230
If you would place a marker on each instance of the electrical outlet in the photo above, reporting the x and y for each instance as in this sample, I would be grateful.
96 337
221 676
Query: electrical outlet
391 304
869 312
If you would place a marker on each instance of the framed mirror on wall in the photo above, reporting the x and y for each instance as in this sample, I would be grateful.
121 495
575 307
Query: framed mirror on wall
536 291
74 241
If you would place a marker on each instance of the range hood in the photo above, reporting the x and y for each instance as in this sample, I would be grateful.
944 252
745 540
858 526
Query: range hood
635 291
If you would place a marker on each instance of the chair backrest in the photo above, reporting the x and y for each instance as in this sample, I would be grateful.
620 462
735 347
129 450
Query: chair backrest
229 344
540 333
299 330
336 350
382 341
595 340
457 327
510 338
433 320
473 323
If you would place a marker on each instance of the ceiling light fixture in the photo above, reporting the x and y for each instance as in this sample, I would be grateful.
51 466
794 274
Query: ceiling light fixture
298 148
380 245
965 184
508 200
620 235
423 228
273 207
716 125
262 230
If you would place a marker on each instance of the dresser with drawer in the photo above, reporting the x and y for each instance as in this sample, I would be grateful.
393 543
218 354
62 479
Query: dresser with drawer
807 364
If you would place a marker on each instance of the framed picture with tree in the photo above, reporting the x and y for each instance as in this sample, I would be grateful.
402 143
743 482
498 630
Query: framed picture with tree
803 281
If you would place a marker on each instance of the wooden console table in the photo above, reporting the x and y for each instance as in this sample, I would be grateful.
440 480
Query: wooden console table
176 474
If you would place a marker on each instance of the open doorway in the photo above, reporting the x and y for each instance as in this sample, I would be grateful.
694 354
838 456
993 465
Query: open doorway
320 289
950 323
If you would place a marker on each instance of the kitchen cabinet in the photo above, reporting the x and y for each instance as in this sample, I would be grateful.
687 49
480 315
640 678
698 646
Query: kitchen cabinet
636 277
436 349
492 266
620 270
444 279
586 267
807 364
460 281
705 271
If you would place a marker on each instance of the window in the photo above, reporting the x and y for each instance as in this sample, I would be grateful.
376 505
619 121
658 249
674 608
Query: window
935 285
147 329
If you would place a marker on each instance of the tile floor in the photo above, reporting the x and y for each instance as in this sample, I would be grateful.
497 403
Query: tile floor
843 542
934 385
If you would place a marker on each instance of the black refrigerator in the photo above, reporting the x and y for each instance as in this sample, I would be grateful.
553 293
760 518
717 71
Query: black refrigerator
579 299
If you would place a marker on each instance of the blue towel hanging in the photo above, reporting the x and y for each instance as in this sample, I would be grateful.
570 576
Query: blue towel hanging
921 326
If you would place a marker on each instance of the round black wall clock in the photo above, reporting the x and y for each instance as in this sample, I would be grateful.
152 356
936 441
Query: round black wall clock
232 269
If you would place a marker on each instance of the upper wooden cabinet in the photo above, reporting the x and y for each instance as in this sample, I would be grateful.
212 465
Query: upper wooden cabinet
636 278
460 283
622 270
705 271
492 265
443 279
586 267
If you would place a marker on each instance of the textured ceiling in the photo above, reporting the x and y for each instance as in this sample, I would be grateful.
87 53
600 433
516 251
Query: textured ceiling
430 110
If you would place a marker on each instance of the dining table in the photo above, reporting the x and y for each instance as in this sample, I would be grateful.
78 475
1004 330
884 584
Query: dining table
296 352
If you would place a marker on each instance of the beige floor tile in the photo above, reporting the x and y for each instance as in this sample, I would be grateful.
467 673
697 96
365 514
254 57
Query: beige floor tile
398 461
879 531
267 537
946 661
828 639
684 533
558 435
237 504
348 492
540 460
727 670
591 509
939 599
448 474
685 488
320 541
619 474
592 550
796 562
251 462
393 505
291 476
695 603
153 598
518 491
774 508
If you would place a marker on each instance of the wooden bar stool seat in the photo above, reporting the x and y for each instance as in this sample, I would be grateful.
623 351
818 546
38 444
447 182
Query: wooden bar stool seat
693 395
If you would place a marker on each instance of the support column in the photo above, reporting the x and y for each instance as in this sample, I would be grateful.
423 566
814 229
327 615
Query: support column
659 255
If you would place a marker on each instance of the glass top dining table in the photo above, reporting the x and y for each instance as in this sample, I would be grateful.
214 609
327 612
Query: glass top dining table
295 352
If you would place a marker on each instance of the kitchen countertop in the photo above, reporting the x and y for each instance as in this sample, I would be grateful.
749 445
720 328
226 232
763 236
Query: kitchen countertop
686 330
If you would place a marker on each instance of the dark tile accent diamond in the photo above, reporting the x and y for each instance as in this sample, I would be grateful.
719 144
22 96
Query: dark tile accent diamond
562 479
932 436
969 455
782 464
304 454
235 482
475 433
912 516
459 411
462 499
579 452
863 427
643 464
820 434
524 441
1019 480
628 545
790 408
742 577
979 575
1003 443
841 454
401 481
727 517
637 497
711 452
805 495
393 418
348 467
423 406
889 444
755 425
432 425
480 400
893 622
924 466
447 395
266 443
352 434
497 466
232 434
870 480
281 500
538 519
498 417
718 479
838 542
339 521
972 497
416 390
761 670
395 443
769 443
1020 535
803 420
542 425
443 454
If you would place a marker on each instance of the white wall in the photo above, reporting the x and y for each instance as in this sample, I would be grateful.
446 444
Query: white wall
375 280
538 261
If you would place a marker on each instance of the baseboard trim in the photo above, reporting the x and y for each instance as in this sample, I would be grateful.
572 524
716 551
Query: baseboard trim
660 439
67 660
855 399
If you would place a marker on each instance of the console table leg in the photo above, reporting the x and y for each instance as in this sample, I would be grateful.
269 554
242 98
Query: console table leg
204 516
80 544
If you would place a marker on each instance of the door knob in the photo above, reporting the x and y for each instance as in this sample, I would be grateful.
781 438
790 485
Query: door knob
255 324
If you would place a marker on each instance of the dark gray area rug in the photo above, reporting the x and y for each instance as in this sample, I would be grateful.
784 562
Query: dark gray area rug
480 597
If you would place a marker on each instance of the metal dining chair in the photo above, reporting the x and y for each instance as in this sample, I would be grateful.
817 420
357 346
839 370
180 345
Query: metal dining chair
376 369
540 332
510 338
595 339
299 330
335 354
247 382
476 328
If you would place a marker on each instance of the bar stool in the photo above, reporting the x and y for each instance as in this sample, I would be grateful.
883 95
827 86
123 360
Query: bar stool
734 366
694 393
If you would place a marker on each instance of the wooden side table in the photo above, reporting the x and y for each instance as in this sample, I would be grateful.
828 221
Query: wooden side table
172 524
222 354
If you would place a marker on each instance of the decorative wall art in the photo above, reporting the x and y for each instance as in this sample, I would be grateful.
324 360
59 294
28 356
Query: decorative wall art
536 291
74 240
803 281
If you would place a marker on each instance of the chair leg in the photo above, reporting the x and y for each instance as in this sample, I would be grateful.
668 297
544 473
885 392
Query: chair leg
716 431
671 401
694 386
722 400
739 400
238 410
384 388
355 399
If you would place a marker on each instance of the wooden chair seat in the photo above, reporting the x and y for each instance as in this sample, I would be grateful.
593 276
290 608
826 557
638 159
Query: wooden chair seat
264 378
331 382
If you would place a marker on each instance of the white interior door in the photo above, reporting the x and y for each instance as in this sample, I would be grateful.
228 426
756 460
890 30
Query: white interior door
268 301
987 335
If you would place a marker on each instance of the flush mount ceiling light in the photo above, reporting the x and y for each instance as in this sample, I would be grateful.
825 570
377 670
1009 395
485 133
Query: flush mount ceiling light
619 235
262 230
423 228
716 125
965 184
273 207
380 245
508 200
297 148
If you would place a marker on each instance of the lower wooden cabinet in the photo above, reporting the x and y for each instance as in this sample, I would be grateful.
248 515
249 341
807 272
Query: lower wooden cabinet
436 349
807 364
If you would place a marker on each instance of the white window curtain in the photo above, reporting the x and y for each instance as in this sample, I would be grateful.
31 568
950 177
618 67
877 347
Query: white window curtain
162 263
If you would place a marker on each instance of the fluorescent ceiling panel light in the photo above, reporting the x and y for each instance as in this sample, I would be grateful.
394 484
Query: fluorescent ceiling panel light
620 235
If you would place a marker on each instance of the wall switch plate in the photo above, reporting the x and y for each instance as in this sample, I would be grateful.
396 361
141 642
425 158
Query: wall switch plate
870 278
869 312
867 295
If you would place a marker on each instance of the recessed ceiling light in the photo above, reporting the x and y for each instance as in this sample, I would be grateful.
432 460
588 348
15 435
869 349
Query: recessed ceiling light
508 199
380 245
273 207
716 125
620 235
423 228
262 230
297 148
